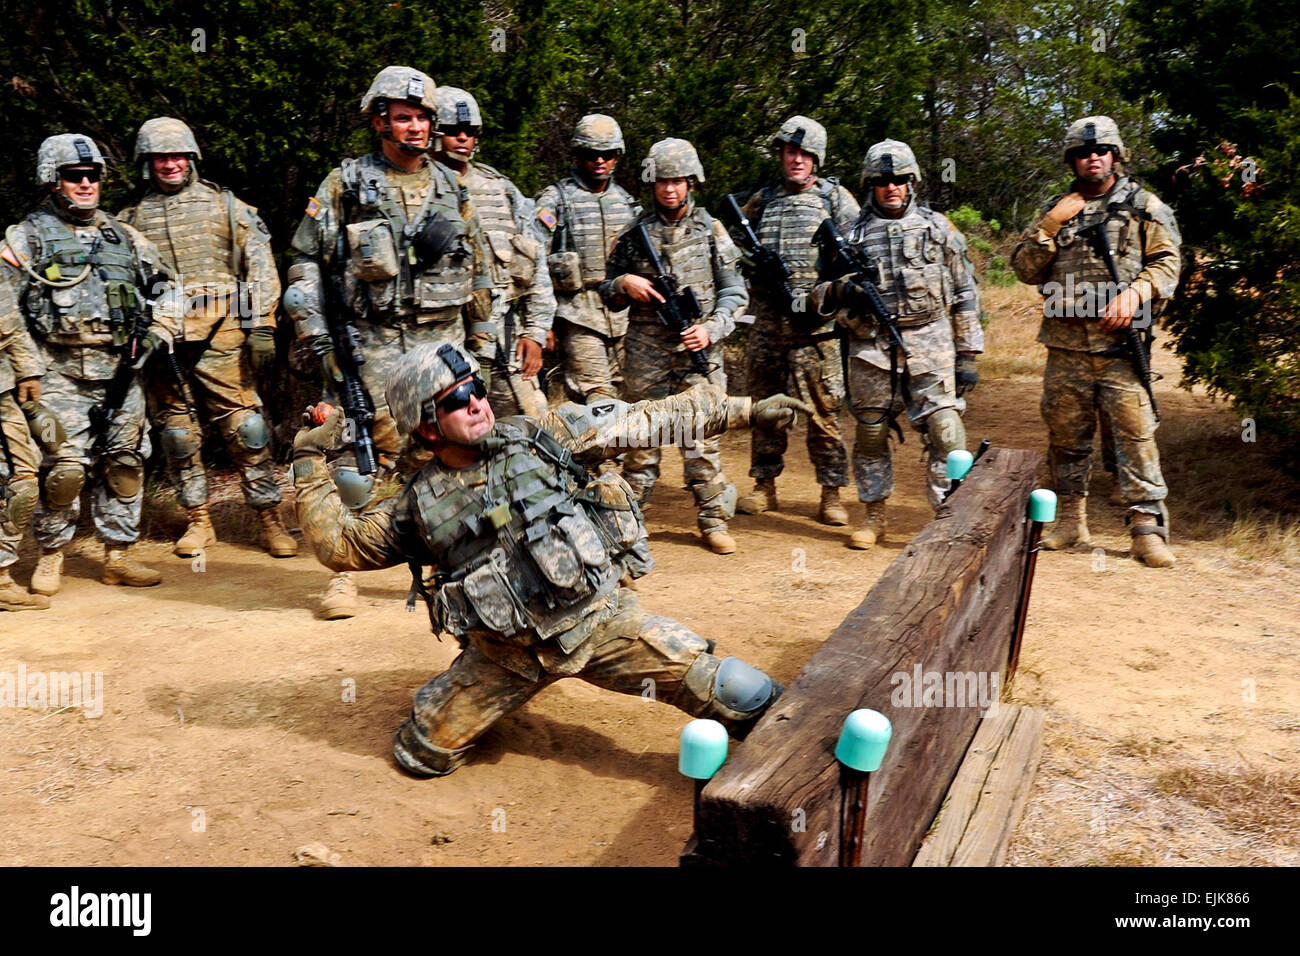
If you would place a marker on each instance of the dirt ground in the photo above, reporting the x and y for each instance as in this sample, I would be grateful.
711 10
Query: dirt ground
237 727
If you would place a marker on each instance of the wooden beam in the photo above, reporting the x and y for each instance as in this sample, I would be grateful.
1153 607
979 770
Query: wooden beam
944 607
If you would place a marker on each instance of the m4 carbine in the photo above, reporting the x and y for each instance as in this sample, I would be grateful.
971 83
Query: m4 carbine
764 266
842 259
680 308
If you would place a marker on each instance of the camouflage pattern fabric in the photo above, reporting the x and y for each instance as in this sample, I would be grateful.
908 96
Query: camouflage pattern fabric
23 475
593 363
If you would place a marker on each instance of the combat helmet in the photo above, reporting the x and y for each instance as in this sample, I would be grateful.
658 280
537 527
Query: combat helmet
599 133
457 108
807 134
403 84
674 159
1093 131
165 134
65 149
890 158
420 376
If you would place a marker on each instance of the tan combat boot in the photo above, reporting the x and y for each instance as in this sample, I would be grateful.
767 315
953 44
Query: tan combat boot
873 528
1149 546
762 498
199 534
47 578
273 537
832 510
340 597
13 597
121 568
1071 526
719 542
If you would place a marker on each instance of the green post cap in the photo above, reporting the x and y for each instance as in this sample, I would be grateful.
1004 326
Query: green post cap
1042 505
959 463
704 749
864 739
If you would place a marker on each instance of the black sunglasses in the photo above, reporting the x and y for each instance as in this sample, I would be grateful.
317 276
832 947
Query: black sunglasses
459 397
76 175
1083 152
471 131
882 181
591 155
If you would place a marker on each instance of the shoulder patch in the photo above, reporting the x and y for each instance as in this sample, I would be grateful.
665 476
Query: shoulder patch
313 207
11 257
546 218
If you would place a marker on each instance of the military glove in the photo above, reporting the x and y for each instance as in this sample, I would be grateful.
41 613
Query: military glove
777 413
147 347
968 375
323 347
261 348
322 438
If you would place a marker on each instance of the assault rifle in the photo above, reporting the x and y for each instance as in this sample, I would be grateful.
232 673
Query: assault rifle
1095 236
680 308
766 267
130 316
865 299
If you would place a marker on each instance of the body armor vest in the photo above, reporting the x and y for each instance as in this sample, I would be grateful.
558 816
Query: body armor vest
786 223
376 200
513 254
192 230
525 549
81 314
594 222
686 249
1078 273
910 251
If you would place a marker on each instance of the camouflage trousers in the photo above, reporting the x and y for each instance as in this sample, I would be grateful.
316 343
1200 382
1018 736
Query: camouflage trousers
921 395
1076 386
657 367
592 363
631 653
222 381
779 360
17 480
116 519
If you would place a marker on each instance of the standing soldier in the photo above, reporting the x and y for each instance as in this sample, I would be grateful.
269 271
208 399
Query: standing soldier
928 285
393 234
700 257
789 341
84 282
583 214
21 369
526 304
220 251
1089 364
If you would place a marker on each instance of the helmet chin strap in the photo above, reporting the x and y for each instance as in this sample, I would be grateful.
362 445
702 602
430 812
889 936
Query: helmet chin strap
76 210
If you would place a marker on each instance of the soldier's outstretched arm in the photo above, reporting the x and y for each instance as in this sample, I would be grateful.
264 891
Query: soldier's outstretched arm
343 540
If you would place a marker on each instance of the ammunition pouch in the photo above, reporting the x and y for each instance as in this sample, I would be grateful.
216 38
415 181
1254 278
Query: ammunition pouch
566 271
373 250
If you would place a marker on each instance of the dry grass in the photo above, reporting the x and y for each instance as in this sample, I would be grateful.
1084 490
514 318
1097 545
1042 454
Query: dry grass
1249 801
1012 349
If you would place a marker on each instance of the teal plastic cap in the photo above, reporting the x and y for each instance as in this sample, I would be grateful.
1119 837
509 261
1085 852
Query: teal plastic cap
1042 505
704 749
959 463
864 739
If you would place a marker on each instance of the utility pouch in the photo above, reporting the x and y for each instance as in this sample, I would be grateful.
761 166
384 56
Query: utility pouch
374 250
566 271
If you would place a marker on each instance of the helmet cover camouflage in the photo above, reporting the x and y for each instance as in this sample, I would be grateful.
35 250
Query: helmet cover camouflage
890 157
165 134
807 134
421 375
674 159
402 84
1093 131
598 132
65 149
457 108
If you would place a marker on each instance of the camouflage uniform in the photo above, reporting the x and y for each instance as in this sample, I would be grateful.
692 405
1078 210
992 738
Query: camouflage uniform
581 226
701 256
220 250
20 457
528 551
70 274
802 348
927 281
1088 369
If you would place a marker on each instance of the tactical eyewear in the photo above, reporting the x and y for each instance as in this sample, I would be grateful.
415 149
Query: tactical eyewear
459 397
459 130
76 175
1083 152
591 155
882 181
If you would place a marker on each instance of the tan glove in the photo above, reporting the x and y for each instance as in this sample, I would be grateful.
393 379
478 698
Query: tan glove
777 413
317 441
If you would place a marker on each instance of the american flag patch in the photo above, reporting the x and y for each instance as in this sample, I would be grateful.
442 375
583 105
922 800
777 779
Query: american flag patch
546 217
313 207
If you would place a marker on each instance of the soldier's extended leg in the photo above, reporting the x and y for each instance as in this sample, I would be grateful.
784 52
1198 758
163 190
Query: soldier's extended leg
933 405
1141 483
1068 407
768 370
19 493
873 469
